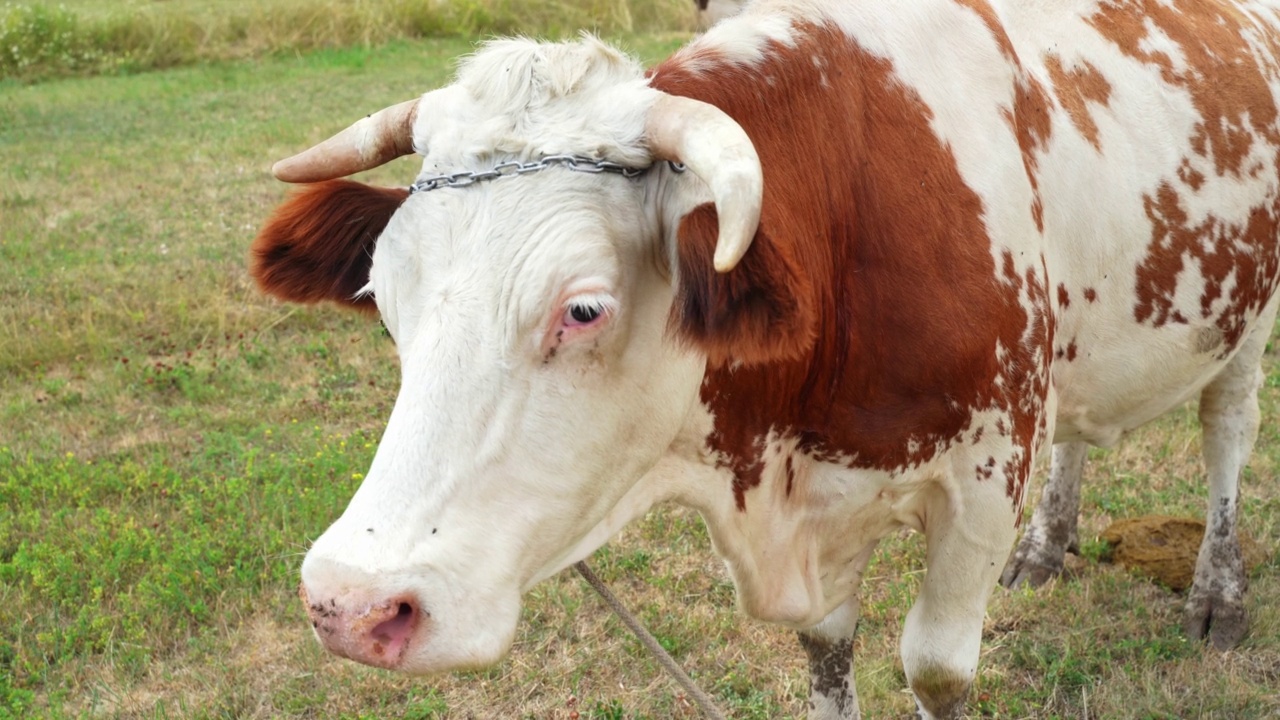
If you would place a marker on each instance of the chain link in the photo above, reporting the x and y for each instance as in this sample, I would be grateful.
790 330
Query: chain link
576 163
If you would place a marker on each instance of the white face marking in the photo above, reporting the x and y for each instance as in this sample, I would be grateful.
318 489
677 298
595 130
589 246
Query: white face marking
538 382
537 386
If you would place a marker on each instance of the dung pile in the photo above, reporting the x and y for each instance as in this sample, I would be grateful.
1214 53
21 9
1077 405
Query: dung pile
1164 548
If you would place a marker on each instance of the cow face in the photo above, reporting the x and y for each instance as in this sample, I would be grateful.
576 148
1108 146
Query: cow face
529 317
539 383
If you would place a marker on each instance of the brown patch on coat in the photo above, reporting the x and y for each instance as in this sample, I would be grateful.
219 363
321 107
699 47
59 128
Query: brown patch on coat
318 245
986 470
1030 120
1189 175
1222 75
1024 377
987 14
1249 254
1226 78
1076 88
1029 117
1090 295
872 261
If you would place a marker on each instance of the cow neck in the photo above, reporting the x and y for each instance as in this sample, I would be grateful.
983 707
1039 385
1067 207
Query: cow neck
909 305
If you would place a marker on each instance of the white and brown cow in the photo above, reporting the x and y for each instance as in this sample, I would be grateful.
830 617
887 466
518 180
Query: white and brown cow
918 242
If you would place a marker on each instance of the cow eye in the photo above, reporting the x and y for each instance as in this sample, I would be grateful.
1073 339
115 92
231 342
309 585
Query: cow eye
587 310
584 314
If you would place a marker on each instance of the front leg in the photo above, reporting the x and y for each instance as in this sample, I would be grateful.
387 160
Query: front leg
1041 552
969 527
829 647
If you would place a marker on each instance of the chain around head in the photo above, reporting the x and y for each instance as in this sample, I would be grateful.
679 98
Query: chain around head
576 163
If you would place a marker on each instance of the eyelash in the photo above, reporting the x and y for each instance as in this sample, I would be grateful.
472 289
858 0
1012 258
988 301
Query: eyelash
582 314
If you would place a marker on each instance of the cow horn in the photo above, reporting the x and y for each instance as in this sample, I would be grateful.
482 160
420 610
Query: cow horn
717 150
369 142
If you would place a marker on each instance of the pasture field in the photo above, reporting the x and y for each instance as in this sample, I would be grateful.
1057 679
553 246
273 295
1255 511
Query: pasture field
44 38
170 440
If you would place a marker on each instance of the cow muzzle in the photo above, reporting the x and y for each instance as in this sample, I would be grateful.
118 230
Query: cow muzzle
372 631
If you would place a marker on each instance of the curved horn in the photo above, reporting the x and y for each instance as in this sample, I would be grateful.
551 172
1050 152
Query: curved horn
369 142
718 151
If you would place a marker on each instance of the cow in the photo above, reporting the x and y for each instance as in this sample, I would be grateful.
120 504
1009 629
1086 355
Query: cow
831 270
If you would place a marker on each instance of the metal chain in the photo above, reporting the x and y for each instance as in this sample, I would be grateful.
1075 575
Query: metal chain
576 163
704 701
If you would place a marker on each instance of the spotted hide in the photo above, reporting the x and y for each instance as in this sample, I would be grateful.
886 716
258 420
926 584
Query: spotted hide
916 244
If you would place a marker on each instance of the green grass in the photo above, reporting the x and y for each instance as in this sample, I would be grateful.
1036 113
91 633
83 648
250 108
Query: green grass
39 39
170 441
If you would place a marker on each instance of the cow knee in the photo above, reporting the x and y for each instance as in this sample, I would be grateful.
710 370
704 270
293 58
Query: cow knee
941 691
941 661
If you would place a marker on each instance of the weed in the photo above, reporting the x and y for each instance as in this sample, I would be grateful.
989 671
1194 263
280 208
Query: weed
37 39
426 708
611 710
739 691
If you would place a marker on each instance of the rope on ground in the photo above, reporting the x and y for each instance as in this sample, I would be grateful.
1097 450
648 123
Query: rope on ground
703 700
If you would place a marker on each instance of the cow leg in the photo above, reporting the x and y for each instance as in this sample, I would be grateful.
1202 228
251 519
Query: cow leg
1229 420
829 647
1052 532
968 541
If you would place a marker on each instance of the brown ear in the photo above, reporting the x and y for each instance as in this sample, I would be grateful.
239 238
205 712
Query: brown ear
318 245
761 311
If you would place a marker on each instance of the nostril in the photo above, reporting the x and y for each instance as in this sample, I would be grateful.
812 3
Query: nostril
404 615
391 636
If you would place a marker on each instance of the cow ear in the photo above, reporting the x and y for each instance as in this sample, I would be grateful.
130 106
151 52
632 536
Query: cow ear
761 311
318 245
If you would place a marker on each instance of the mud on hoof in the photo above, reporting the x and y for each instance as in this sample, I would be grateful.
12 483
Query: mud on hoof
940 695
1223 622
1031 565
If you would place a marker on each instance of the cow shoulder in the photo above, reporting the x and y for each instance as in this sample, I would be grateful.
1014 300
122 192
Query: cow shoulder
318 245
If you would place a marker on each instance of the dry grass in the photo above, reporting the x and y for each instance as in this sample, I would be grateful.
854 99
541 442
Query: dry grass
40 39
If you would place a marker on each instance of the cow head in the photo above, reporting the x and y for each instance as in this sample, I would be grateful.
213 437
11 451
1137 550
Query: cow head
540 381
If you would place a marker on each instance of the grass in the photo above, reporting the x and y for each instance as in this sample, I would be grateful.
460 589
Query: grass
171 440
39 40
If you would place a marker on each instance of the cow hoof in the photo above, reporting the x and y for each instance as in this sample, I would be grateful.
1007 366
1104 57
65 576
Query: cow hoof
1034 575
1029 568
1223 623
